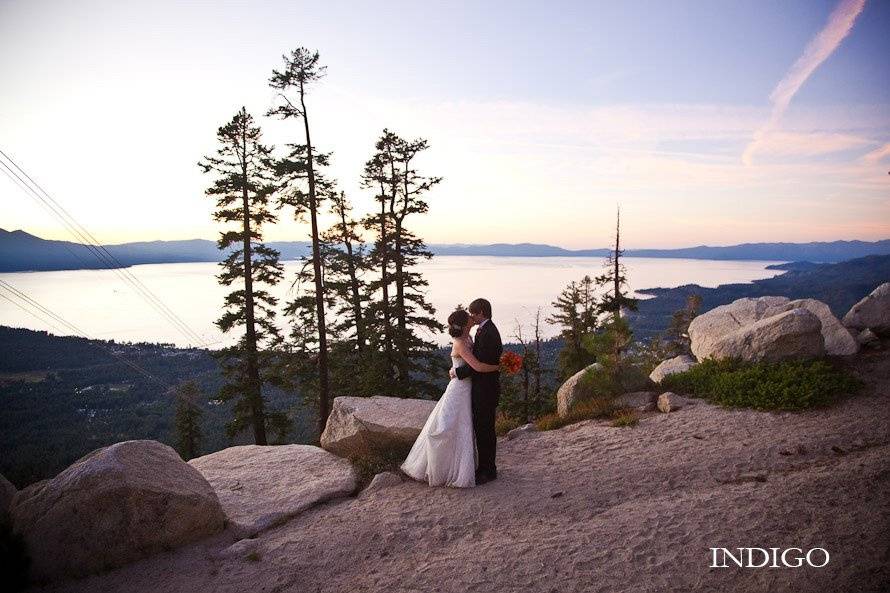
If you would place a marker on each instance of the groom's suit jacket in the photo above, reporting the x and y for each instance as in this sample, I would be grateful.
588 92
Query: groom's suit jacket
487 348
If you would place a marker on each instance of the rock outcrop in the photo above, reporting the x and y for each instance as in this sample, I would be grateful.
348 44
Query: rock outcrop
113 506
263 486
671 402
358 424
383 480
642 401
868 338
521 430
569 392
678 364
872 312
838 339
765 328
7 492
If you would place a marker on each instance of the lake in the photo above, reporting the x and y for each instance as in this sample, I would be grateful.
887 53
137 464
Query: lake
103 306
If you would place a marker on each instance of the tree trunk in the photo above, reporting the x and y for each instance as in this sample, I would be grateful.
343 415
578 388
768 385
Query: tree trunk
252 369
354 287
384 280
323 388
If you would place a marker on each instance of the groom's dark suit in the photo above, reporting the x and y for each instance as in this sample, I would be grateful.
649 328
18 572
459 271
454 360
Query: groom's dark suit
486 392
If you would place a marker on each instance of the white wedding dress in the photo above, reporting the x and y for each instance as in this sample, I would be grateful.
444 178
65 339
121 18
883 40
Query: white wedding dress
445 451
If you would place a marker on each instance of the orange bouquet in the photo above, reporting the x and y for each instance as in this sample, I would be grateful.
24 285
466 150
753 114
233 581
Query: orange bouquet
511 363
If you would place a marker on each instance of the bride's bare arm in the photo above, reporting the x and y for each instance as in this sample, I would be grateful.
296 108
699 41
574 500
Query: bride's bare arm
477 365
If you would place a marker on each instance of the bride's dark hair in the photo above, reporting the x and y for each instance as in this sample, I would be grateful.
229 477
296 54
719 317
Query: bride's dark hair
457 321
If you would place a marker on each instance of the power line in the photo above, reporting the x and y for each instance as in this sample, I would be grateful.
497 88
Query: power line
30 302
106 258
97 250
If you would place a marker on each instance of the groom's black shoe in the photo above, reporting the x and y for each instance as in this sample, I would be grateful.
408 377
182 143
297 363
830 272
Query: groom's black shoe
484 477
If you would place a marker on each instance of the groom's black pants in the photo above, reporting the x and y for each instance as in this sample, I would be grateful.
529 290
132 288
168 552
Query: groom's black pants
485 402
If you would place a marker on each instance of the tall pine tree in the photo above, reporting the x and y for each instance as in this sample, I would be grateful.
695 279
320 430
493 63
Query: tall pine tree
576 310
243 184
614 280
404 313
617 335
303 191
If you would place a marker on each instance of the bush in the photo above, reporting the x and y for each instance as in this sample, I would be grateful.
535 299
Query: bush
371 462
584 410
789 385
504 424
625 417
600 383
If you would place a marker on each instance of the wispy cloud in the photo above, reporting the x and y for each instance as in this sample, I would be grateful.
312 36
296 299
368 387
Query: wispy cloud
839 25
878 154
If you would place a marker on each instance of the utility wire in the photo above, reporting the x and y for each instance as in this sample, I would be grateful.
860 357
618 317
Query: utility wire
106 258
30 302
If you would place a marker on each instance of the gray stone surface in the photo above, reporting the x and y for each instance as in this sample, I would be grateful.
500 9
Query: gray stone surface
115 505
263 486
359 424
678 364
569 391
872 312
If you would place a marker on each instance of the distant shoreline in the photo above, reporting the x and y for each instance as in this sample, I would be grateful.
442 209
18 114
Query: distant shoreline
23 252
775 264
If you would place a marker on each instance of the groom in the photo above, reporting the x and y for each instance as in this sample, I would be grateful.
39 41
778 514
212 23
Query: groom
486 389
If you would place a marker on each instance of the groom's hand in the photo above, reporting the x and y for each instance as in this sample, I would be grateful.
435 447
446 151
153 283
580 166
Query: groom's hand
452 374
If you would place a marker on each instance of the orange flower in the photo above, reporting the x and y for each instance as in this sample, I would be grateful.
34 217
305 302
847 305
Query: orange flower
511 363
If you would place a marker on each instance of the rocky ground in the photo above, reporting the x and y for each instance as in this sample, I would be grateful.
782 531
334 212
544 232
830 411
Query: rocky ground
592 508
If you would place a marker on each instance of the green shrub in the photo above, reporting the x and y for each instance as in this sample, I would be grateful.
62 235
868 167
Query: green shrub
504 424
583 410
789 385
370 462
625 417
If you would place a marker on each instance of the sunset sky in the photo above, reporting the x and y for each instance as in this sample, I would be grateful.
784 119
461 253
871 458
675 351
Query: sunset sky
708 122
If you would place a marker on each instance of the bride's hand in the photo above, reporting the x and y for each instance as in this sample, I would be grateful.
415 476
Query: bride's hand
452 374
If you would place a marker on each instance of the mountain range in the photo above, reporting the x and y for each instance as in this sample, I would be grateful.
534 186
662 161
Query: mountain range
22 251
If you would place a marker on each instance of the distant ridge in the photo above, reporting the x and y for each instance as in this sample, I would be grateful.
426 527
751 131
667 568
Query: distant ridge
21 251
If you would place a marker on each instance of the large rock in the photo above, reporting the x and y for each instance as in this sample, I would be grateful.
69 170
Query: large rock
7 492
570 391
678 364
260 487
709 328
113 506
358 424
838 339
642 401
872 312
765 328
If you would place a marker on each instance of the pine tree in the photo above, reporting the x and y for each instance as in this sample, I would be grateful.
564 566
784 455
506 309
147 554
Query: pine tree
576 314
614 279
402 306
188 419
618 335
677 333
345 264
379 314
304 192
354 368
242 187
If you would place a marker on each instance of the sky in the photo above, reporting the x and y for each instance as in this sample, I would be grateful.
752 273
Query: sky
707 122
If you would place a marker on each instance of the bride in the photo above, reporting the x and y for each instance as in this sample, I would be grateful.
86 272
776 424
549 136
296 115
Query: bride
445 451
